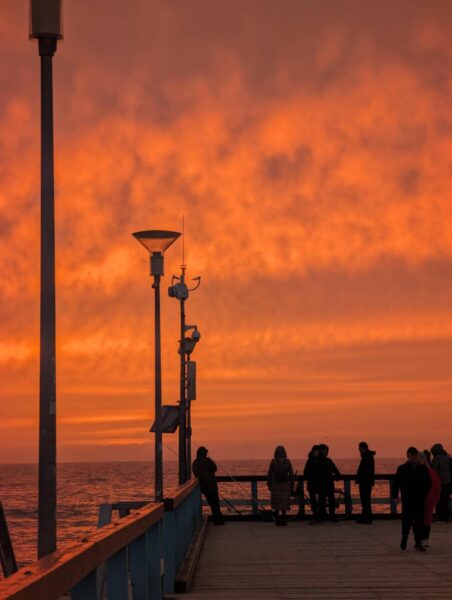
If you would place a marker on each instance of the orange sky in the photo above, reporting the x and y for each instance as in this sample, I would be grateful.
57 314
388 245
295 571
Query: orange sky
309 146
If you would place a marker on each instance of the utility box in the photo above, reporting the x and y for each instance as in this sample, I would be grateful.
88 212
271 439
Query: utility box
191 380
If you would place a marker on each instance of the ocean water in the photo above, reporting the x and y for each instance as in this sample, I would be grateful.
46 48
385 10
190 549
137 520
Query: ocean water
82 487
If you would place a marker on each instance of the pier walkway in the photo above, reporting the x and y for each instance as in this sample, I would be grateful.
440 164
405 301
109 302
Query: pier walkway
333 561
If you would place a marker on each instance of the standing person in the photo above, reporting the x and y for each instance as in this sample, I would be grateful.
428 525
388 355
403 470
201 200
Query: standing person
330 474
204 469
413 481
315 484
365 478
441 465
432 498
280 481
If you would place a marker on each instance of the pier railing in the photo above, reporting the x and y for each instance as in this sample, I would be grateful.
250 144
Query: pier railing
140 553
248 497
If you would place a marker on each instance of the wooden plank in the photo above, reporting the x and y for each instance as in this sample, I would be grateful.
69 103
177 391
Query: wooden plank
53 575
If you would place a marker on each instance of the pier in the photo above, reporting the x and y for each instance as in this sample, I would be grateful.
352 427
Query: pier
169 550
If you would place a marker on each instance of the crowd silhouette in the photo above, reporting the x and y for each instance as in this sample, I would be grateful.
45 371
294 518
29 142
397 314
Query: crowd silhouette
423 483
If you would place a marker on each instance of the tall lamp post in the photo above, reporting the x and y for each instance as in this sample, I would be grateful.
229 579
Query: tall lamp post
157 242
180 291
45 26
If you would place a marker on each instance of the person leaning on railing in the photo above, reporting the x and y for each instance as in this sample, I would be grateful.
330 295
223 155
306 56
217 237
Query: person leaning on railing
204 469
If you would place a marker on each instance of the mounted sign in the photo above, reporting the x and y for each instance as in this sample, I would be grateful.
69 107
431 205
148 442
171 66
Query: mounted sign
170 419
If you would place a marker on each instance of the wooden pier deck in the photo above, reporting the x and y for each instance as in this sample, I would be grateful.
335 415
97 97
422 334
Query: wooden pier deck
343 560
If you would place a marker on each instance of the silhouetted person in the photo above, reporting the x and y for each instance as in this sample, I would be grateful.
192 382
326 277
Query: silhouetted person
280 481
313 475
331 474
365 478
204 469
413 481
432 498
441 464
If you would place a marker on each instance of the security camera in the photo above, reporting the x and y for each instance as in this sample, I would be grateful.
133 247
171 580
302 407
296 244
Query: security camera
196 336
179 291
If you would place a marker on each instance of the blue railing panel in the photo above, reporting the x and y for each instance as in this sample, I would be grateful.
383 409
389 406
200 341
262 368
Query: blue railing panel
169 550
87 588
117 576
138 568
154 563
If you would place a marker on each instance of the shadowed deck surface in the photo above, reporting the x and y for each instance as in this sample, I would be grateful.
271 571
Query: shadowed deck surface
332 560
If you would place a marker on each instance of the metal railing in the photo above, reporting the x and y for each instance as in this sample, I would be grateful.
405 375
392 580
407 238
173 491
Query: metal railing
255 501
140 552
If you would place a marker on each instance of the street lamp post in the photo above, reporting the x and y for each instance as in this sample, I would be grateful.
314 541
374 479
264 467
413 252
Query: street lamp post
156 242
45 26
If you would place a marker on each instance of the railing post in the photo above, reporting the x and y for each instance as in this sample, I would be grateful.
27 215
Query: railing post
392 502
117 576
86 589
302 507
154 562
348 497
254 498
138 570
169 551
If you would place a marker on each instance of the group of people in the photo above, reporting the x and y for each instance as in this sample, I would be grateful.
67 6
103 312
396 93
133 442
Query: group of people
423 482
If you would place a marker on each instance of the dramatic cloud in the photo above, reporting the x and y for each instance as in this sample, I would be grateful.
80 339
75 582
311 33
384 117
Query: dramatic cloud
310 151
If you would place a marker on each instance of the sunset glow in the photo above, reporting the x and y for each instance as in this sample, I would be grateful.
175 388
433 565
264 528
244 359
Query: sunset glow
309 149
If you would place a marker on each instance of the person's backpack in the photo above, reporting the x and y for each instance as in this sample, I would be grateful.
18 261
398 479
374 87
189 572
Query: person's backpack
280 472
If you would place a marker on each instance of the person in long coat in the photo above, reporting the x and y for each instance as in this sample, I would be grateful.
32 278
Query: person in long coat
413 482
432 498
280 481
441 464
365 478
204 469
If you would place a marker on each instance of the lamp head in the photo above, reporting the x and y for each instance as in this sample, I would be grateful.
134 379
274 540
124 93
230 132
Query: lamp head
45 19
156 242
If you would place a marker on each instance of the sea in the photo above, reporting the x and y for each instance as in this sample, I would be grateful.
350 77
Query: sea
82 487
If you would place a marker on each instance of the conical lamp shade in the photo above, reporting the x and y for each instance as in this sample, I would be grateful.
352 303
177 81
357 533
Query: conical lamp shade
156 240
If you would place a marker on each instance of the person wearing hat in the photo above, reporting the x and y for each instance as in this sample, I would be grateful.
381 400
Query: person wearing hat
204 469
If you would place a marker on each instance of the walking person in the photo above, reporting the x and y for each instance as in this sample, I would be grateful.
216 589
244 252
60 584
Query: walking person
204 469
413 482
432 498
441 464
330 474
365 478
280 480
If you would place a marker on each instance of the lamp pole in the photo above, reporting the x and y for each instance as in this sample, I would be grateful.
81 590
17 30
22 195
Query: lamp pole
46 28
158 450
156 242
